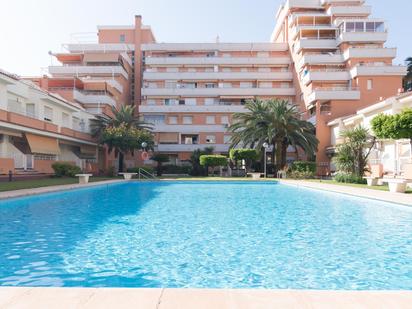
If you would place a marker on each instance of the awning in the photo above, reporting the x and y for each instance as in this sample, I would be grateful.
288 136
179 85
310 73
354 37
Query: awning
101 57
87 150
10 133
168 137
43 144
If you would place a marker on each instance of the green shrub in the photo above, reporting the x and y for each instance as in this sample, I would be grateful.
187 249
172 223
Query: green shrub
301 174
349 178
175 169
63 169
213 160
304 166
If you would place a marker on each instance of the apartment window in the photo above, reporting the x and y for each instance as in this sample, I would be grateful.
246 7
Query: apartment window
122 38
211 54
265 85
170 84
359 27
48 113
182 102
210 85
224 120
154 119
187 119
30 110
369 85
246 85
264 70
152 85
210 120
76 123
225 85
151 102
210 139
190 101
226 139
172 119
172 70
210 101
169 102
65 120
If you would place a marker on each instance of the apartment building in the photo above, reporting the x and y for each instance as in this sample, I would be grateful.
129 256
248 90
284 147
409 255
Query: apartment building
341 63
190 91
38 128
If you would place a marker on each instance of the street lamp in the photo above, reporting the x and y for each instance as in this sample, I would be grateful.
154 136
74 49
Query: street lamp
265 146
144 145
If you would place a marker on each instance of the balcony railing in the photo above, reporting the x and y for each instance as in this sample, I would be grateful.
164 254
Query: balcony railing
93 97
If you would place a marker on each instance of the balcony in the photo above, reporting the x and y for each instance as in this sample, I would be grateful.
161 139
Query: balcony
82 48
359 10
93 98
188 128
330 58
341 1
170 47
333 93
314 43
58 71
326 75
378 70
115 84
362 37
213 92
190 148
215 76
191 109
308 4
244 61
369 53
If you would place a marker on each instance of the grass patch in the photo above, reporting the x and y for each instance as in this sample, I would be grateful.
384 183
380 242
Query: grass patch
44 182
333 182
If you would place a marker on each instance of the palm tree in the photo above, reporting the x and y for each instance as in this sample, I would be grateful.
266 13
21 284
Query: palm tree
123 119
407 80
276 122
125 114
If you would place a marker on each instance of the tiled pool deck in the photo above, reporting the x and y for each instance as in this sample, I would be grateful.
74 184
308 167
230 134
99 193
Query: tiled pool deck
197 299
20 297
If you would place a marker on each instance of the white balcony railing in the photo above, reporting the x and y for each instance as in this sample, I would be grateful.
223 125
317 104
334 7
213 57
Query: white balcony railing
330 58
326 75
333 93
362 37
191 109
345 10
380 70
218 92
115 84
82 48
217 60
369 53
87 70
314 43
191 147
215 76
170 47
93 98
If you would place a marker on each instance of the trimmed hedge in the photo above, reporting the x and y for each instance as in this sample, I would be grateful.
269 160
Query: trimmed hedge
349 178
304 166
243 154
62 169
213 160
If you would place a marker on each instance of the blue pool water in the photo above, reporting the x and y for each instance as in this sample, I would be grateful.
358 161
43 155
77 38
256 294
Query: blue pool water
205 235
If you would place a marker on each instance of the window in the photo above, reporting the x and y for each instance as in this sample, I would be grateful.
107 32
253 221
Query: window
225 85
265 85
246 85
182 102
30 110
210 101
122 38
224 120
154 119
65 120
210 119
170 84
210 139
226 139
151 102
48 113
172 119
359 27
190 101
170 102
76 124
369 85
187 119
264 70
210 85
350 27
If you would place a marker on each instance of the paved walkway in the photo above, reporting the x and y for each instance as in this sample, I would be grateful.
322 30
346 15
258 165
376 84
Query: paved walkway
61 298
400 198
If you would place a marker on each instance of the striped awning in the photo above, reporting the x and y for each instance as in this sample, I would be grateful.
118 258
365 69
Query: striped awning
168 137
42 144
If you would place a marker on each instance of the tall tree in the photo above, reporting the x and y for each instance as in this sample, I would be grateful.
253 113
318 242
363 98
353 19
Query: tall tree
407 80
123 133
276 122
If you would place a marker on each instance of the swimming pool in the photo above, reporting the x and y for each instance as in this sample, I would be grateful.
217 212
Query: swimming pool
205 235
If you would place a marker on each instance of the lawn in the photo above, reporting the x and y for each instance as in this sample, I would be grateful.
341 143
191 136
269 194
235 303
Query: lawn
44 182
333 182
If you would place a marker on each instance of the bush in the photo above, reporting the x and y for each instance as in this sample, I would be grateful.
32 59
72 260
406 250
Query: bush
303 166
175 169
62 169
213 160
349 178
301 174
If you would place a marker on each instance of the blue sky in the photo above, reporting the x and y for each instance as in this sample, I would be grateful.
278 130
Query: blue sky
30 28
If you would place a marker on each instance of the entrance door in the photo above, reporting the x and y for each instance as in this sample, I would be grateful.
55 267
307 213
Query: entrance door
29 161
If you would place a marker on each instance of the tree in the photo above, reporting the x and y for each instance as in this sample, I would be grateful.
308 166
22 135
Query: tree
213 161
159 158
197 169
407 80
352 155
121 133
276 122
249 155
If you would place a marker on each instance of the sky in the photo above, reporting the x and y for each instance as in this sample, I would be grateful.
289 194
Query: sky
32 28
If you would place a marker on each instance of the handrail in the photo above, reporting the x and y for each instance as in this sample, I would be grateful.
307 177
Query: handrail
145 174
